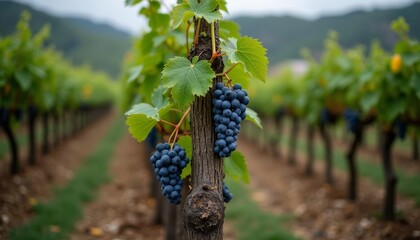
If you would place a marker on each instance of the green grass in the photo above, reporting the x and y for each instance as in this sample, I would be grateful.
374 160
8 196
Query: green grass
251 222
408 184
66 207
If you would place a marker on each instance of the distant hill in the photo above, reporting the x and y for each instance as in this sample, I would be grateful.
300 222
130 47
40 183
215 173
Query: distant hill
82 41
103 47
284 36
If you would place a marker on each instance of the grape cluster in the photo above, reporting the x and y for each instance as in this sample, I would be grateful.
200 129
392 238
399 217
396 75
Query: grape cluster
3 115
401 128
227 195
328 117
18 115
168 164
353 120
229 106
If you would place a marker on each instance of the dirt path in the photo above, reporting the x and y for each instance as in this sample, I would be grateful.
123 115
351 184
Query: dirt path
35 183
322 211
123 209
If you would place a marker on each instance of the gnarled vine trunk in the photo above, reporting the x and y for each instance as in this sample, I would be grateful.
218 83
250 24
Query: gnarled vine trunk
279 122
56 129
293 141
351 161
328 153
32 114
310 150
390 176
203 210
7 127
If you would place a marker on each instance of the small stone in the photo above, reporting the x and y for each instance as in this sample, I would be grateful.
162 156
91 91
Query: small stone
113 227
23 190
339 204
318 234
5 218
416 233
365 223
300 210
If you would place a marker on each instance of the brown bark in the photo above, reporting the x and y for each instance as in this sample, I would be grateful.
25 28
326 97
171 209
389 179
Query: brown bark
351 155
203 210
11 137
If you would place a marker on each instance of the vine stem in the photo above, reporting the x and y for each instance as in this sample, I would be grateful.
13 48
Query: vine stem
197 32
176 110
229 80
169 123
186 37
227 71
213 39
214 53
176 130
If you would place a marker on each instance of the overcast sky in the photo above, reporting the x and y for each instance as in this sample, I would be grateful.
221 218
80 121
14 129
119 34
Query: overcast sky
115 13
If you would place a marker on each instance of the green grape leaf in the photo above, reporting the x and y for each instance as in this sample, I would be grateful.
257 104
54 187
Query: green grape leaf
235 167
411 59
145 109
222 5
391 108
134 73
369 100
250 53
48 100
139 125
180 14
200 9
24 80
132 2
415 84
159 21
229 29
37 71
151 62
147 42
142 117
252 116
159 100
238 75
173 37
186 143
187 79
